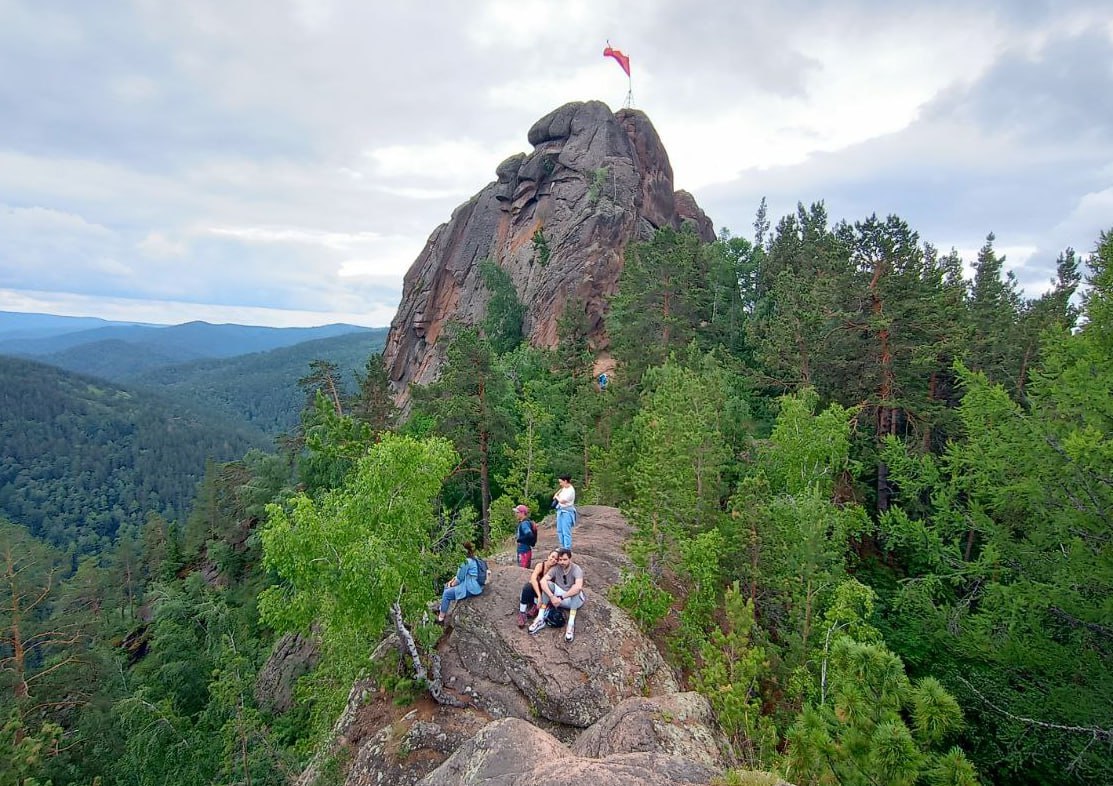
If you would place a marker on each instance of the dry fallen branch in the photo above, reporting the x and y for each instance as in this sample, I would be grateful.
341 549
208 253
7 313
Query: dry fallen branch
1096 732
436 688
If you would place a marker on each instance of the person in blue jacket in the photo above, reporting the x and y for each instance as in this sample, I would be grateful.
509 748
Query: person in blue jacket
465 583
527 536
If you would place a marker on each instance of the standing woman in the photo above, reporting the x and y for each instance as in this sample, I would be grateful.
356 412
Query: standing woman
464 584
565 499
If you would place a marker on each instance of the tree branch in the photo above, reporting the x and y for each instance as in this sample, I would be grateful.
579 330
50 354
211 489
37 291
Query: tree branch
1099 733
436 688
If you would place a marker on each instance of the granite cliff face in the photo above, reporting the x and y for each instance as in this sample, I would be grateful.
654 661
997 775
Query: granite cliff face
558 220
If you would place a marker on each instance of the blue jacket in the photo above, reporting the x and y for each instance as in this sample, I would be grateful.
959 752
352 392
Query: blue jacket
467 579
525 535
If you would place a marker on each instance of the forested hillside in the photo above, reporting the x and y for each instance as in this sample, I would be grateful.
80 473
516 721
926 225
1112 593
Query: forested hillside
262 388
80 457
870 501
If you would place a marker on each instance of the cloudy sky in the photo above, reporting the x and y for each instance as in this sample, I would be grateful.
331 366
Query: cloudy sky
282 162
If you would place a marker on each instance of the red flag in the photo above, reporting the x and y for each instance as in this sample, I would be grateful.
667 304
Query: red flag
620 58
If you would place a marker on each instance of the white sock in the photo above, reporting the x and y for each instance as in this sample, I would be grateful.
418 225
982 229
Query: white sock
522 607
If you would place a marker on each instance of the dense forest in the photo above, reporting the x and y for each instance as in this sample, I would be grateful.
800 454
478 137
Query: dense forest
260 388
871 502
80 457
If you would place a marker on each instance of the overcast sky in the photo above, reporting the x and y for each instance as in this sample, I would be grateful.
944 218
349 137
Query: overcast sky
283 162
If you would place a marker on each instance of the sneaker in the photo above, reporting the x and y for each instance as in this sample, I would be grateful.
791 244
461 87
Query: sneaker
570 634
531 612
538 625
521 619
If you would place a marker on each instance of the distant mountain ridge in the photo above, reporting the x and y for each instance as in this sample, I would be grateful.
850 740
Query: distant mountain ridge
19 325
190 340
248 374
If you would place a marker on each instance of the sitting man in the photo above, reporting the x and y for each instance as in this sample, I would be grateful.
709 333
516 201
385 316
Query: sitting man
531 590
563 588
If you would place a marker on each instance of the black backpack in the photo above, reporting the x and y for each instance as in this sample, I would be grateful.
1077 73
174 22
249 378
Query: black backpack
480 570
556 618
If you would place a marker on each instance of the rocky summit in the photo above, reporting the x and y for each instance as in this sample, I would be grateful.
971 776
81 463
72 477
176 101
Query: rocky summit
557 220
537 709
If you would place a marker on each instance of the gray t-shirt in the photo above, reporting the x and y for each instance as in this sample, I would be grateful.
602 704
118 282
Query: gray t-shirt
565 579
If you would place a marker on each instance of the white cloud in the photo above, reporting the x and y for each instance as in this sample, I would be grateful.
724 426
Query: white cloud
171 312
466 163
528 24
158 245
337 241
135 88
47 220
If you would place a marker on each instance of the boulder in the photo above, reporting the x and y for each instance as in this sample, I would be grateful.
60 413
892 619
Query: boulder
558 220
512 752
677 724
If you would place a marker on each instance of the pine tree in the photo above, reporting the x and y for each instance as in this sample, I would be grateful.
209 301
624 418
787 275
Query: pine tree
1008 536
994 307
471 405
661 301
677 456
798 312
374 403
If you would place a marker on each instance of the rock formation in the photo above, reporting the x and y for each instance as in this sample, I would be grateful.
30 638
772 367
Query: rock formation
558 220
511 752
605 706
292 656
541 678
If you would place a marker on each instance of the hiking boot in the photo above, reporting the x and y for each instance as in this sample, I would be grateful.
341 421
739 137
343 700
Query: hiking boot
538 625
570 633
521 619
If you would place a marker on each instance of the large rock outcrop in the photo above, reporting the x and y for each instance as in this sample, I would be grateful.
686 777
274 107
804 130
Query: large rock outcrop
563 686
675 724
558 220
605 705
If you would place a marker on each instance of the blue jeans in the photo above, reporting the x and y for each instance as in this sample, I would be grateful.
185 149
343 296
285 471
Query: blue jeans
450 594
565 520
